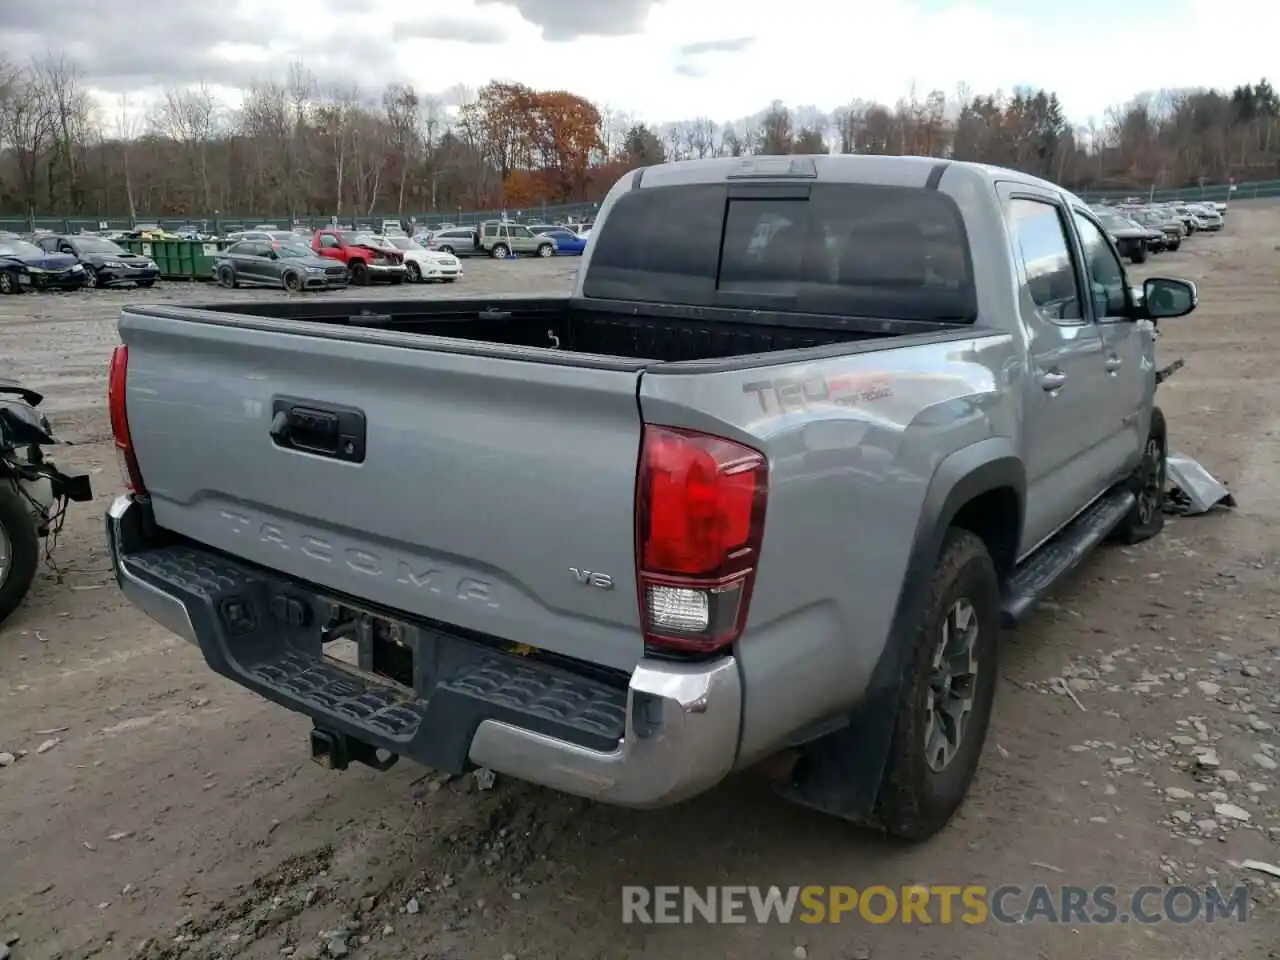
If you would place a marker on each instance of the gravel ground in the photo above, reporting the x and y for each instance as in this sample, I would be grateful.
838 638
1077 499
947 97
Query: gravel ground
151 809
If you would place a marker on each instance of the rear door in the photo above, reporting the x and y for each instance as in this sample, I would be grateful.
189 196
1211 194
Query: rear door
1064 427
251 262
478 483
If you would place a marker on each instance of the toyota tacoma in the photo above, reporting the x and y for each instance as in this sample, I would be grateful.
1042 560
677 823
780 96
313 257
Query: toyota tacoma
767 490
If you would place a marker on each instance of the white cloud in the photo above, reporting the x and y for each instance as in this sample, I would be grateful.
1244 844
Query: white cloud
746 53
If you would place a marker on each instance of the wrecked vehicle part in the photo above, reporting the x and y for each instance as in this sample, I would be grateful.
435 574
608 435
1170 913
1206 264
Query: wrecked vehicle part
1193 490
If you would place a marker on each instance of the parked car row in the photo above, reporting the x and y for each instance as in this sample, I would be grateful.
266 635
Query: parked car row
1141 229
69 262
331 259
501 239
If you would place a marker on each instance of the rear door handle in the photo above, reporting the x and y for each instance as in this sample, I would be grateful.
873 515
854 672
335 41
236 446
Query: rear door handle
1114 363
1052 380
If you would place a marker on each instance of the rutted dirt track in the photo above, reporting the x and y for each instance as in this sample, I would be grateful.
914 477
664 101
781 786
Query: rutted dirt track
175 815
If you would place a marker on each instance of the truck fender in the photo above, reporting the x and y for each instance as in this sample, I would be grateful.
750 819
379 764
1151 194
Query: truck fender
840 773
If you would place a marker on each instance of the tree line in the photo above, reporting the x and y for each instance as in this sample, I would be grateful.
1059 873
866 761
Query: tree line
296 147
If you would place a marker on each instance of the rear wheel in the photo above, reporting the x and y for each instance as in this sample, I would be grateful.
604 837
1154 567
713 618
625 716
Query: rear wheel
19 549
447 249
948 688
500 251
1139 255
546 250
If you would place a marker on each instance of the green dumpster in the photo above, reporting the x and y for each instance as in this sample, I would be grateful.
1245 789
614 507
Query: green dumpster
180 259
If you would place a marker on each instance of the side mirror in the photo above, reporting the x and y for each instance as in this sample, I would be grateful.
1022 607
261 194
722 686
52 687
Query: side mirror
1164 298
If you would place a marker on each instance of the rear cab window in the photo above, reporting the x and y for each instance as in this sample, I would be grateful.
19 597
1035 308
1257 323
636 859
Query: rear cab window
1044 250
845 249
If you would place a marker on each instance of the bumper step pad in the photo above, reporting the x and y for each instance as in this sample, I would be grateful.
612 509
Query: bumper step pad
235 611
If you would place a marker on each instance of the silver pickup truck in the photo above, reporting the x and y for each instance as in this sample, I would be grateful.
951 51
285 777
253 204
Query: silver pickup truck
808 433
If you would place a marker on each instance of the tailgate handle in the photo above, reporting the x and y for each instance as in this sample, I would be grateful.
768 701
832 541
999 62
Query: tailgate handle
323 430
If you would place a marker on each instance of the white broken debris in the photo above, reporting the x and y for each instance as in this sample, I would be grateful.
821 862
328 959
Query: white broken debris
48 745
1046 866
1268 868
485 778
1232 812
1059 685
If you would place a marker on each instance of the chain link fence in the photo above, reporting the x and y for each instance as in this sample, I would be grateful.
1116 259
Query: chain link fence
222 224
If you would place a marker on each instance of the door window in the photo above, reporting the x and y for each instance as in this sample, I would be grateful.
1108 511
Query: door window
328 241
1045 251
1104 270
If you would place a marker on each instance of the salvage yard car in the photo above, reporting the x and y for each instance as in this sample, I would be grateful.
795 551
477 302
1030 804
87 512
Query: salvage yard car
41 270
364 256
104 261
289 265
423 265
728 501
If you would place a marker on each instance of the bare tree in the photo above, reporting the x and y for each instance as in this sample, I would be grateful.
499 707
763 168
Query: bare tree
189 116
126 127
403 111
27 129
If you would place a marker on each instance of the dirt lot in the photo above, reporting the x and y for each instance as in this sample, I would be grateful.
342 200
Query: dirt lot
175 815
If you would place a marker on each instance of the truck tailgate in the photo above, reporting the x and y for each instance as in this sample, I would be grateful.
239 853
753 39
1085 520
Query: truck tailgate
489 489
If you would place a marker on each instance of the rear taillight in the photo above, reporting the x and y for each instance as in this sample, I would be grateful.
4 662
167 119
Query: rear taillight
129 472
700 504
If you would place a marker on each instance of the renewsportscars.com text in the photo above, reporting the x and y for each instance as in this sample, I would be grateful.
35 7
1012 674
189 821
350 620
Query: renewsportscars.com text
938 904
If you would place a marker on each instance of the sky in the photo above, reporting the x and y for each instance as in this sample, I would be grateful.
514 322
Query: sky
663 60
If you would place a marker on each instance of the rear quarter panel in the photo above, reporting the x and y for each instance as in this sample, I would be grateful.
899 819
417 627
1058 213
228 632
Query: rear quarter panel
853 443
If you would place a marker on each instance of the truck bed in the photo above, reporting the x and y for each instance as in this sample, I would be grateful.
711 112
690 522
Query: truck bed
661 334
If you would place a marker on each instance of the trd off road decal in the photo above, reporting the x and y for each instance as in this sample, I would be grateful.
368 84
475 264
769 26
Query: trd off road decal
788 393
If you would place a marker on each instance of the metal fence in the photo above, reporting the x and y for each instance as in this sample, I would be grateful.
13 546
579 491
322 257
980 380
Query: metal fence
1220 192
221 224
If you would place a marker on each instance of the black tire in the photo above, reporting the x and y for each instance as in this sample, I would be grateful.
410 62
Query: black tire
450 279
18 532
447 249
359 273
413 272
1173 247
90 277
916 800
396 280
500 251
1139 256
292 282
146 284
1148 482
546 250
227 278
9 283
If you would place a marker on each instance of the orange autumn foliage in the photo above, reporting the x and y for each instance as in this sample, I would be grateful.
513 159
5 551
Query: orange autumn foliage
543 144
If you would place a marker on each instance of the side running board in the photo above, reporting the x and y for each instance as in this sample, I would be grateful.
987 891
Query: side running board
1041 571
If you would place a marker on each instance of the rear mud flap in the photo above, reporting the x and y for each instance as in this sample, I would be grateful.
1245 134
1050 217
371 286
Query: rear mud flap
840 773
1193 490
